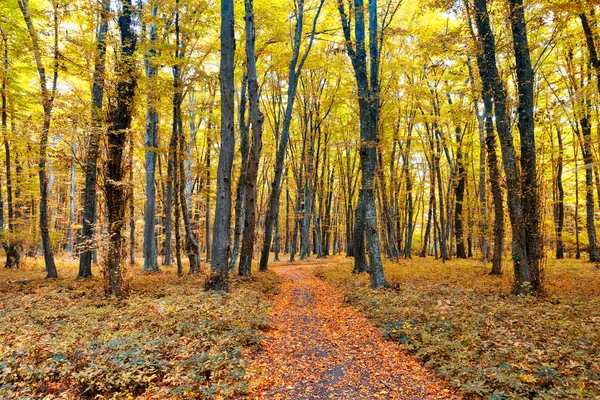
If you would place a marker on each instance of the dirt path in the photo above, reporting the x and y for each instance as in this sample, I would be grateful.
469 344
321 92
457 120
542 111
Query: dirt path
323 349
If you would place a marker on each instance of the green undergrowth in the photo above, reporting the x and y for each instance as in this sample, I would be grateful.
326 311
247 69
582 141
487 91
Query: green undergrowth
485 342
168 339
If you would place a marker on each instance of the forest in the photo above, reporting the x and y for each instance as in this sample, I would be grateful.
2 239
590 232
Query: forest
196 193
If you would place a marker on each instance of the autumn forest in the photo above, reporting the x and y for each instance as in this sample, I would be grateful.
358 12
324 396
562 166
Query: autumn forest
299 199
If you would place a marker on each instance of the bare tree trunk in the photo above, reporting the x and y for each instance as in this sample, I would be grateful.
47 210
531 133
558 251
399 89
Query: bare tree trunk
240 198
150 248
221 227
459 192
131 206
72 221
207 185
119 124
488 143
48 96
256 118
12 247
529 274
526 275
586 151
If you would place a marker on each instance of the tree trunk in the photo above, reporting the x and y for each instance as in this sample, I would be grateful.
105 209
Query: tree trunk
494 171
586 150
559 197
12 247
240 198
131 206
221 228
47 105
295 69
119 124
459 192
528 274
526 277
586 145
256 118
151 144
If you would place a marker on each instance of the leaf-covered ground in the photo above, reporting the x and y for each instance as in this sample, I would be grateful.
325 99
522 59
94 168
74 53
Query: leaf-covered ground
169 339
321 349
464 325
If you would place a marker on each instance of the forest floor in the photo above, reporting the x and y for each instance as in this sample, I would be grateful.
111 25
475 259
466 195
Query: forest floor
465 325
169 339
320 348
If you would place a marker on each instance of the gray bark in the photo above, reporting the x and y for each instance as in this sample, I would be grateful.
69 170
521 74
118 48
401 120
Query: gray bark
256 119
48 96
151 144
221 227
119 124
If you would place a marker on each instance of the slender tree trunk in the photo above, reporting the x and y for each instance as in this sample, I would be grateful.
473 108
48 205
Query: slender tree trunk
586 145
221 228
131 206
207 160
176 204
241 187
12 247
586 151
151 144
459 192
72 221
256 118
559 197
47 105
489 146
578 247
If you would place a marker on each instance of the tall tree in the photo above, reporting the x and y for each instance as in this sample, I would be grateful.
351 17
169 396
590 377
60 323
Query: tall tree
93 147
12 247
368 101
119 123
295 69
191 244
222 224
151 144
48 94
525 264
527 274
492 158
586 143
256 119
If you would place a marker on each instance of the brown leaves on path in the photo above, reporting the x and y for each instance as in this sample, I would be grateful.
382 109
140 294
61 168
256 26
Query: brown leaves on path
321 349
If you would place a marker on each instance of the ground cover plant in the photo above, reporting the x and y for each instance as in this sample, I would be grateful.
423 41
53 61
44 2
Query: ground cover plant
462 323
168 339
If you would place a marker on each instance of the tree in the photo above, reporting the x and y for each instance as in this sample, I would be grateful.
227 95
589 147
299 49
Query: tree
12 247
525 249
93 148
150 250
119 123
256 119
295 69
48 95
221 227
368 100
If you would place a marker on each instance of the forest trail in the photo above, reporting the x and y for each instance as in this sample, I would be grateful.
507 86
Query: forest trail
320 348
